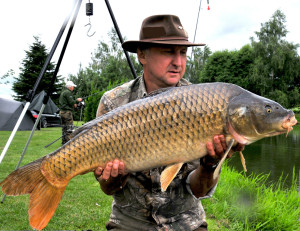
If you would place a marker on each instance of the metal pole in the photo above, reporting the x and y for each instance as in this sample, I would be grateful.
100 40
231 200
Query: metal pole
120 38
14 131
46 98
31 93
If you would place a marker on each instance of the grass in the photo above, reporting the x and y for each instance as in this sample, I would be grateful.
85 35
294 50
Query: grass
83 206
246 203
240 202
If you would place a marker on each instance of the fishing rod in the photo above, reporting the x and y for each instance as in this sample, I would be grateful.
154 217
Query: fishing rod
48 93
30 94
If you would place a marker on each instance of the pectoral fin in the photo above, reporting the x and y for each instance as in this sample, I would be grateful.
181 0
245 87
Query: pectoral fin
217 170
168 175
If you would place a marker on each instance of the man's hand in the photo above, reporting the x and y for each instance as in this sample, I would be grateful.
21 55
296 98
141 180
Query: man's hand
217 149
113 177
112 169
201 181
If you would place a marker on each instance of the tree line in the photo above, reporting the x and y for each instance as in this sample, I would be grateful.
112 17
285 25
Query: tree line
268 66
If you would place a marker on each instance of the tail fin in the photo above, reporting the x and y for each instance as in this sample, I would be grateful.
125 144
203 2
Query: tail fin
44 197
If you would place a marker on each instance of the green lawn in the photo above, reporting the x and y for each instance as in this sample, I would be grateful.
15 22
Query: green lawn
83 206
240 202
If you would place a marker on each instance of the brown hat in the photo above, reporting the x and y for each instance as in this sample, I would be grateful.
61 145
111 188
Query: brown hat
160 29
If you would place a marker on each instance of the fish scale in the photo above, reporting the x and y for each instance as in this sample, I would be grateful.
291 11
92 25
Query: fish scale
169 128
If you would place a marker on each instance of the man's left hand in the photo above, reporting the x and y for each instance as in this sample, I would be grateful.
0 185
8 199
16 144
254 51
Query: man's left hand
217 148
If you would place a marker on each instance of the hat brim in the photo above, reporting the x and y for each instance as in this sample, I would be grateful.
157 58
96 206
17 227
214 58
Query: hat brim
132 45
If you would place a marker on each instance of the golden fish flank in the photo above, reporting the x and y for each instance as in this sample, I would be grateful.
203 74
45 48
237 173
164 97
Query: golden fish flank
166 129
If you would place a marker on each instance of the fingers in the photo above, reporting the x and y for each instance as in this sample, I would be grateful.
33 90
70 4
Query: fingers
217 148
98 172
210 149
107 171
220 145
112 169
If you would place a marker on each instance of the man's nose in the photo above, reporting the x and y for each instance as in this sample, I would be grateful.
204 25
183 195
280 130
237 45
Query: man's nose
177 59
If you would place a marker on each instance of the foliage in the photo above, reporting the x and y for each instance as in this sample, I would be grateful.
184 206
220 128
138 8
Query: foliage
269 67
93 101
30 70
296 110
276 65
229 66
196 63
279 96
108 67
5 78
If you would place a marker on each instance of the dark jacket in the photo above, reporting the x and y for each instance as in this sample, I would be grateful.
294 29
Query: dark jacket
67 100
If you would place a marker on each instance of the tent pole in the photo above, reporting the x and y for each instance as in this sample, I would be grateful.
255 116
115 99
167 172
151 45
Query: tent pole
46 98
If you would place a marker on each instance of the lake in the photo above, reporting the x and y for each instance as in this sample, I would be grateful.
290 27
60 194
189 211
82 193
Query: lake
273 155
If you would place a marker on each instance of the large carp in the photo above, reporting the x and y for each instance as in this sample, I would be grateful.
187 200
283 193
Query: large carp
165 129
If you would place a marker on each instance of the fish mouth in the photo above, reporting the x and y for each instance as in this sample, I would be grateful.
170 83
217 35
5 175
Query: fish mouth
288 123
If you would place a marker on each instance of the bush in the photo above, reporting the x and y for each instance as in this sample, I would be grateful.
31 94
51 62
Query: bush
279 97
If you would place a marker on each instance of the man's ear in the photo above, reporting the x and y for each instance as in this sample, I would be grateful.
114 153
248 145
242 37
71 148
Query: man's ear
141 54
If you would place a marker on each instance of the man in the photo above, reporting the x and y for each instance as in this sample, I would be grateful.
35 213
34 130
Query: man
139 203
67 104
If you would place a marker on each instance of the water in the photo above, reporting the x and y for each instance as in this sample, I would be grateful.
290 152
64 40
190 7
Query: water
275 156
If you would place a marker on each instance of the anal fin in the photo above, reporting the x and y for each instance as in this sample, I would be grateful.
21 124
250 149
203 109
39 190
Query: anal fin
169 174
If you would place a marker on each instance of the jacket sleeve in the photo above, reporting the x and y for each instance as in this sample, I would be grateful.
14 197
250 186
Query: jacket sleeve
105 105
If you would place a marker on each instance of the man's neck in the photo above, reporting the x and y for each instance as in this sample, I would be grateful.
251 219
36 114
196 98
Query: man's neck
150 86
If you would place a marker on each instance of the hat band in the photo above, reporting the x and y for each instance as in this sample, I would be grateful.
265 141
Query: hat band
164 39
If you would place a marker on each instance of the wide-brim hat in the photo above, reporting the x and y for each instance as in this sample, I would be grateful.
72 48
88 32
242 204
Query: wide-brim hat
160 29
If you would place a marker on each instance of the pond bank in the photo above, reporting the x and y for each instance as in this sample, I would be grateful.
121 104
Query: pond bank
246 203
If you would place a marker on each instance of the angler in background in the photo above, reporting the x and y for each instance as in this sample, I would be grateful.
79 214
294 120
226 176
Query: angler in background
67 104
139 203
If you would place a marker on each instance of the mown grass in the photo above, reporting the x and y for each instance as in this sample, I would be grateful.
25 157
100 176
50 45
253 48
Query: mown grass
83 206
240 202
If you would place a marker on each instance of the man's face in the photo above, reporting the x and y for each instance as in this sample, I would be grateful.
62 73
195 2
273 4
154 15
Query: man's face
163 66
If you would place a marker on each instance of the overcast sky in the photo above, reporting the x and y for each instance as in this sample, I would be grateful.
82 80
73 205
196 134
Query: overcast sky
227 25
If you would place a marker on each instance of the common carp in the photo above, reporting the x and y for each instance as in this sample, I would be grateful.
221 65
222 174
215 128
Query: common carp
165 129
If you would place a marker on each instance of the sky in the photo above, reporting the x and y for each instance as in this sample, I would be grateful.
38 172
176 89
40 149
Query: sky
228 24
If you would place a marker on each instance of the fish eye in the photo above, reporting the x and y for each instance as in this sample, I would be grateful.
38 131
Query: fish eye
268 108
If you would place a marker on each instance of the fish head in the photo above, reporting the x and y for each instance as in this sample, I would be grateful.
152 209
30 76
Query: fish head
252 117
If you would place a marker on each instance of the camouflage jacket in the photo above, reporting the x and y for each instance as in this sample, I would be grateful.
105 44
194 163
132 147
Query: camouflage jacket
141 205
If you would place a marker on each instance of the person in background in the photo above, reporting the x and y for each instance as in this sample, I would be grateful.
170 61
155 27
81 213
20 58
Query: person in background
138 202
67 104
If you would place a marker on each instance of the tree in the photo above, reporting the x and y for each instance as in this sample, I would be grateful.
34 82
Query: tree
229 66
108 68
276 65
196 63
30 70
